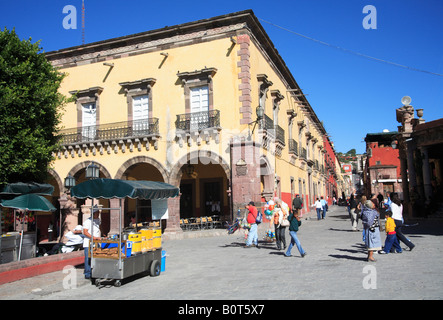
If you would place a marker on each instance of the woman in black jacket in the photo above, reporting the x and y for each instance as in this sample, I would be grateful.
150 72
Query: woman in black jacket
352 213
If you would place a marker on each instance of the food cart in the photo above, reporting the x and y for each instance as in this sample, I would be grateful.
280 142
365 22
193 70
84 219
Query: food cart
127 253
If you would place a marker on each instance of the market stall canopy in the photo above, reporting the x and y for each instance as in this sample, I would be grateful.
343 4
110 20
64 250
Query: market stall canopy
19 188
115 188
30 202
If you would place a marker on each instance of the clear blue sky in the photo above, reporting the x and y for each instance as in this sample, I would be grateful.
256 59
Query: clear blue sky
351 94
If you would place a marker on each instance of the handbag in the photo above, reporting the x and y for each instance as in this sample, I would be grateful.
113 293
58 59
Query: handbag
285 223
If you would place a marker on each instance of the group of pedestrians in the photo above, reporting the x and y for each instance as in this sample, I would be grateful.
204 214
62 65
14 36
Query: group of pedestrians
282 217
368 212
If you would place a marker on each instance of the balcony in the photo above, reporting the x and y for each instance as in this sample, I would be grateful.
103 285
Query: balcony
303 153
110 131
293 147
197 121
110 136
272 135
198 126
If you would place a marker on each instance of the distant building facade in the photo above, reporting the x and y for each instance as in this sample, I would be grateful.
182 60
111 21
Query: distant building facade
382 170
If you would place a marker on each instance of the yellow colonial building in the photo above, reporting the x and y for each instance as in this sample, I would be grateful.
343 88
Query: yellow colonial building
208 106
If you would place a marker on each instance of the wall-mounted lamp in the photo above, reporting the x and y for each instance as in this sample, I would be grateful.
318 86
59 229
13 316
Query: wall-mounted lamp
108 64
260 111
189 169
92 171
69 182
165 54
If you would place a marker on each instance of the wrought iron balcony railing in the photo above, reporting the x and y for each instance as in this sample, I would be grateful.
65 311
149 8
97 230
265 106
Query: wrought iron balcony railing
280 134
303 153
293 146
197 121
267 123
110 131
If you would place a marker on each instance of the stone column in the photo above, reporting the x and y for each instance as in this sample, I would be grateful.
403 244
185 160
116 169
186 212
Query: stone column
114 215
173 228
70 213
86 208
426 174
245 182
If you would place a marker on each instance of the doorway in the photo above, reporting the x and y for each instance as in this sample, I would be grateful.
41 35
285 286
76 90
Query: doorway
212 203
187 207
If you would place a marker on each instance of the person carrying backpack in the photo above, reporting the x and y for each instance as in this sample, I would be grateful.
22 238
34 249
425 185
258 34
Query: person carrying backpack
252 219
297 204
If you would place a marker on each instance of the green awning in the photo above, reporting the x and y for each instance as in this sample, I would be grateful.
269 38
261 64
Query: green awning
19 188
30 202
115 188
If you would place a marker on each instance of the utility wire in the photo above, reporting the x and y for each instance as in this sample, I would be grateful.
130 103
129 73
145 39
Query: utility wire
351 51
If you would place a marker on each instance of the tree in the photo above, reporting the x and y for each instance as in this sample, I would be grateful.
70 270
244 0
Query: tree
30 110
351 152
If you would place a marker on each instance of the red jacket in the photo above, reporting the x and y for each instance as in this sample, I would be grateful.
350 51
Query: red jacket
252 214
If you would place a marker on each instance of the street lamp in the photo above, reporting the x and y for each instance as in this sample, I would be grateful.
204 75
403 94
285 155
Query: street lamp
92 171
406 100
189 169
260 111
69 182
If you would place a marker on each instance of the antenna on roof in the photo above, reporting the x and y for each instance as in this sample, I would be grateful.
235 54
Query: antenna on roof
83 22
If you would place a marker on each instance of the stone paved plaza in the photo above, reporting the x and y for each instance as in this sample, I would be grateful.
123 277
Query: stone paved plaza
218 267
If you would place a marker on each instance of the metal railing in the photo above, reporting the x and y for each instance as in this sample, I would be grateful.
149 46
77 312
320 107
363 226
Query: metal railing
111 131
280 134
293 146
303 153
196 121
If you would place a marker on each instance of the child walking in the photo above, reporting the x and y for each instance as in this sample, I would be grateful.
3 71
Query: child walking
391 236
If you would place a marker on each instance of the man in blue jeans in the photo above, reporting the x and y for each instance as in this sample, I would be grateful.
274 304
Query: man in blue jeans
324 206
295 222
91 229
251 218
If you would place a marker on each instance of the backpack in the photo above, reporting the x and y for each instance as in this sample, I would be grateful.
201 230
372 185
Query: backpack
297 203
259 217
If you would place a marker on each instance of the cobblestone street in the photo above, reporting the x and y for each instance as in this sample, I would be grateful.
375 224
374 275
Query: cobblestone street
220 268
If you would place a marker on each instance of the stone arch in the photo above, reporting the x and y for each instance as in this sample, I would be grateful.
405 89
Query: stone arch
57 179
84 164
142 159
214 158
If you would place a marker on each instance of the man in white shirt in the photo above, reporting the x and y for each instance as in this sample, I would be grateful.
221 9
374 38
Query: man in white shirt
91 226
75 237
324 205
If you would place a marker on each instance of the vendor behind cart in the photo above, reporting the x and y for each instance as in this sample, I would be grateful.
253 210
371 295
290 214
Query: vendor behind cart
89 224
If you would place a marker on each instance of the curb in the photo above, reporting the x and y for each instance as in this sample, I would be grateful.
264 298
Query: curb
19 270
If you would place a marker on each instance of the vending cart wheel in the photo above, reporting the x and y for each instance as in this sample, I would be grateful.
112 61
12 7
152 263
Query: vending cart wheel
117 283
155 268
